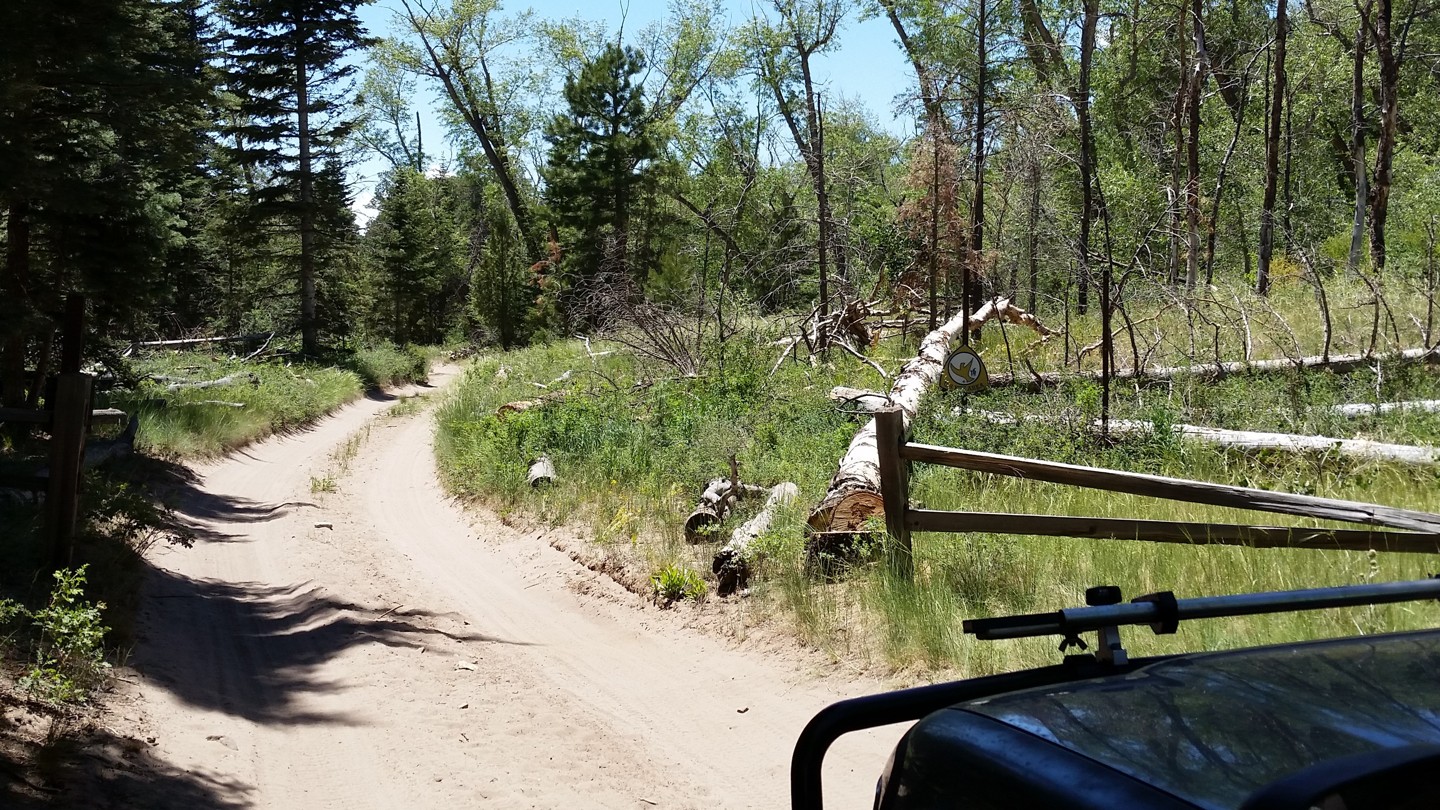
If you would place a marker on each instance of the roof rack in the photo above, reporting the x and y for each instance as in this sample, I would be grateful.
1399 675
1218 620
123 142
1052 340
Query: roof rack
1106 613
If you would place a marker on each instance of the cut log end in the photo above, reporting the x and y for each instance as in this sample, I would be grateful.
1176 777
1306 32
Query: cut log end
699 523
542 472
847 511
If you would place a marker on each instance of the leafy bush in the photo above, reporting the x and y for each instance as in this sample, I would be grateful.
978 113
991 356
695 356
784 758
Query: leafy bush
673 583
69 656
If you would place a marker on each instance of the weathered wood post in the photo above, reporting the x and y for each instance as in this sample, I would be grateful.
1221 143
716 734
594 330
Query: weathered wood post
894 487
68 425
69 422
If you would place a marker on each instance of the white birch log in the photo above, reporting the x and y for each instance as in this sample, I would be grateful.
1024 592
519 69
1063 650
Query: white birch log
853 495
731 566
542 471
1259 440
1370 409
715 504
1339 362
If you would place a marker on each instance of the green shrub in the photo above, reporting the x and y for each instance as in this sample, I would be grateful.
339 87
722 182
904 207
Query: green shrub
673 583
69 656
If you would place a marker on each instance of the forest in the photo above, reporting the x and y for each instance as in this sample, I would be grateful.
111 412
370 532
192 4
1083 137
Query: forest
189 166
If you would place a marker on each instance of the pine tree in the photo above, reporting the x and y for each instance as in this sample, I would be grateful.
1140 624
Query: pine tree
100 105
286 69
602 159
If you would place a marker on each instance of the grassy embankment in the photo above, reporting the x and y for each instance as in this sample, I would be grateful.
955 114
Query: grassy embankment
631 460
265 398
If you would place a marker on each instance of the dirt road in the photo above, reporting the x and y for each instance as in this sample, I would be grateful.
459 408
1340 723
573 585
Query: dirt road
372 645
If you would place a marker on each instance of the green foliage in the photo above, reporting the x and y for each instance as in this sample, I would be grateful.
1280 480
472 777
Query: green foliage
673 583
69 655
286 71
198 422
601 166
418 246
388 364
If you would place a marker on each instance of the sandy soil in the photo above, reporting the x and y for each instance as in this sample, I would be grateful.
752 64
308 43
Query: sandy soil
379 647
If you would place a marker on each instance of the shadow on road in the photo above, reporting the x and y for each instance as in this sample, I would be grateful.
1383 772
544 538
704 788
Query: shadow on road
197 513
256 651
93 767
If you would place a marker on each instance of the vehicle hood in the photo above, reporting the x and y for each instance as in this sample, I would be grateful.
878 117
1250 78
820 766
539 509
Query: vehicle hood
1212 728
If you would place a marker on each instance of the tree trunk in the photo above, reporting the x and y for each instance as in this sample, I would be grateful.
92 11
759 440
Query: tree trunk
17 280
1272 152
1177 185
1357 141
1032 236
1192 151
853 495
309 327
975 274
815 160
1389 60
1087 146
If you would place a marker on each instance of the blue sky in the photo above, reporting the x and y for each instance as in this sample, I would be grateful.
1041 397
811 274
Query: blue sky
868 66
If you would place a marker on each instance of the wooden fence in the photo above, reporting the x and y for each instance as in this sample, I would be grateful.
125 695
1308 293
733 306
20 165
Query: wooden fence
1421 529
67 417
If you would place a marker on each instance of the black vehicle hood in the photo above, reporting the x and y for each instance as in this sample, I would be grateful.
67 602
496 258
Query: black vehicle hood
1212 728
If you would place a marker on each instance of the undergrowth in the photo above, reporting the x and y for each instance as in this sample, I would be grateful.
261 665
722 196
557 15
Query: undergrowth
386 364
261 399
633 447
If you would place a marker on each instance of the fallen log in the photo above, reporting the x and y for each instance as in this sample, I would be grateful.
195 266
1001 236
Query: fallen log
858 399
518 406
853 496
715 504
731 565
1259 440
152 344
229 379
1369 409
1337 363
542 471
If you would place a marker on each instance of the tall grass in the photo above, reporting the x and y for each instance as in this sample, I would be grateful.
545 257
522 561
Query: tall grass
386 364
265 398
633 447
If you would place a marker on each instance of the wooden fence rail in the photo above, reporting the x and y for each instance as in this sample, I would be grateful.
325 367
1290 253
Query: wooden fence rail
1422 535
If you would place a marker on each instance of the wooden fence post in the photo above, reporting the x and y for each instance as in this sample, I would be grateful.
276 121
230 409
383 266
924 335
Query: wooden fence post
894 486
69 422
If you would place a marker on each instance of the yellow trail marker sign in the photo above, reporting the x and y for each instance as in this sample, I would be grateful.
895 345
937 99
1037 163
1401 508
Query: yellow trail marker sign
966 371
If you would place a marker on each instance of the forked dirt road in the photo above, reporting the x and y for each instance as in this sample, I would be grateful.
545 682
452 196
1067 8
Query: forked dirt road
378 647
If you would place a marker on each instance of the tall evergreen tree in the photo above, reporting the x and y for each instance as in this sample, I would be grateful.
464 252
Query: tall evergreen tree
100 105
602 160
286 67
